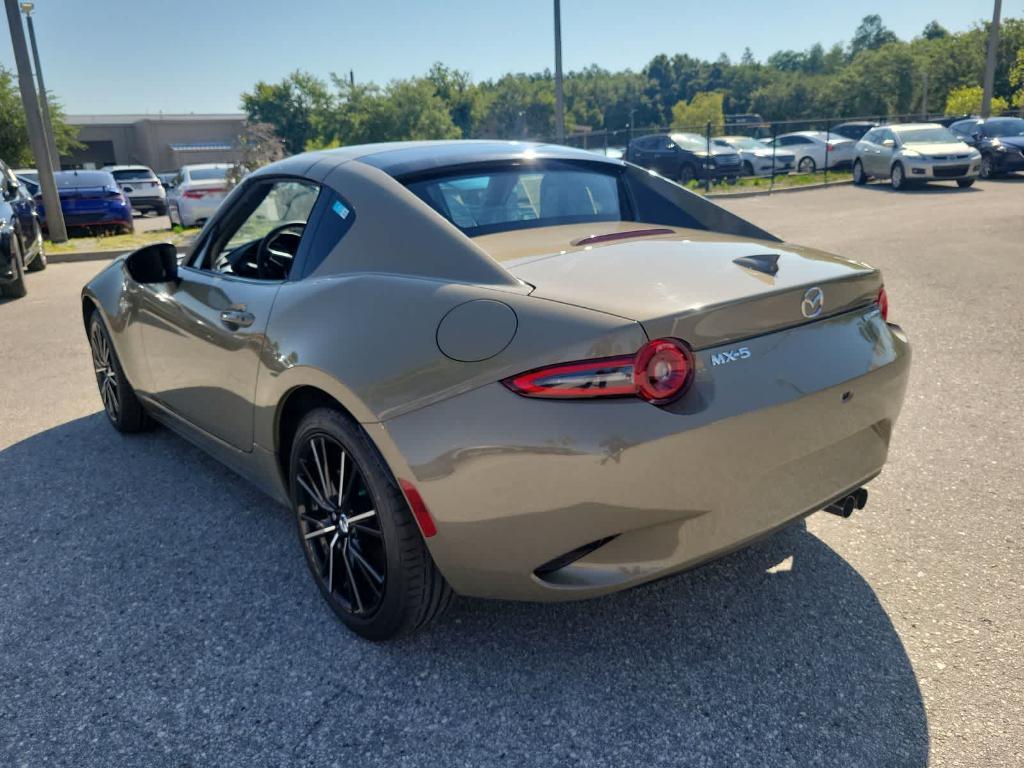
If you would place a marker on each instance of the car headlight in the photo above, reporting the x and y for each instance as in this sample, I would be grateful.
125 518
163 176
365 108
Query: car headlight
998 146
911 153
974 154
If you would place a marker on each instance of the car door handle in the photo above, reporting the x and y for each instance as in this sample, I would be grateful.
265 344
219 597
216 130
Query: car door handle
237 318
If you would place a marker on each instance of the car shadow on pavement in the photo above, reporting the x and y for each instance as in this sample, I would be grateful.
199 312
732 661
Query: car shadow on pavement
157 611
922 188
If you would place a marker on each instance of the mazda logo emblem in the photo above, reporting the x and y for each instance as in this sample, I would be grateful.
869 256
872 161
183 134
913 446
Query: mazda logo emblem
813 303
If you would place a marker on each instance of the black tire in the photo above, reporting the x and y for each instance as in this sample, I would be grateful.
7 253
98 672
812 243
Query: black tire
687 173
160 210
119 401
898 177
964 183
987 169
807 165
376 575
748 168
859 177
15 289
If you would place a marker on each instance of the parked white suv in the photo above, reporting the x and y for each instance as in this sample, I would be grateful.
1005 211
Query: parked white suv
141 186
196 193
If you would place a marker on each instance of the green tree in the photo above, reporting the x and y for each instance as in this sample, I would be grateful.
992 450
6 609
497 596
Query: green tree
294 107
14 144
870 35
703 108
1017 80
934 31
967 101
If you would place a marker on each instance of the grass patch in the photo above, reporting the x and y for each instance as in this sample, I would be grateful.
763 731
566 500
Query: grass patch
754 183
117 243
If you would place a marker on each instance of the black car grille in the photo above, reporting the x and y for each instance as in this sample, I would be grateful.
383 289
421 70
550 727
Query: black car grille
950 170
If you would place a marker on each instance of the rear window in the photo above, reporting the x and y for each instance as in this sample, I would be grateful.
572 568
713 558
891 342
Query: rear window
523 196
135 174
207 174
78 179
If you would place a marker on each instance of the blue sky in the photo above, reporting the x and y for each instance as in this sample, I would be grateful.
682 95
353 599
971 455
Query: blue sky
114 56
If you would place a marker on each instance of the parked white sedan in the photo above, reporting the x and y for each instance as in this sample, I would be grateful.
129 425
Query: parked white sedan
196 193
816 150
757 158
141 186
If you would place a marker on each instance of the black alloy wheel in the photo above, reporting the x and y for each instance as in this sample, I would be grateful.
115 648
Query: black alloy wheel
362 544
121 405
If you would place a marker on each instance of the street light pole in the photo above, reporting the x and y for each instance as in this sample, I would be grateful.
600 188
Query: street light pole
37 140
559 98
44 101
990 60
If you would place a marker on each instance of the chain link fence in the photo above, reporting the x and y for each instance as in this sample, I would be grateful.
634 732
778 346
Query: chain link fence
770 153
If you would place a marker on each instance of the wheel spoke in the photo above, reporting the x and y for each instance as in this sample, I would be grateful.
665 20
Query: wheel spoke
370 582
341 478
330 563
351 577
363 516
321 469
370 570
320 532
309 487
366 529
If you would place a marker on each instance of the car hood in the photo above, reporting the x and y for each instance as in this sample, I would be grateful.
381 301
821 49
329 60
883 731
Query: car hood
1012 141
679 282
949 148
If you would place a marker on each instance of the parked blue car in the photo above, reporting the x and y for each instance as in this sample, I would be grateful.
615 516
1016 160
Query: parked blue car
91 200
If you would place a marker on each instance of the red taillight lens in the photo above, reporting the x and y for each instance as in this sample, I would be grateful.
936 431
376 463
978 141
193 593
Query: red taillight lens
658 373
662 370
883 303
419 509
603 377
194 194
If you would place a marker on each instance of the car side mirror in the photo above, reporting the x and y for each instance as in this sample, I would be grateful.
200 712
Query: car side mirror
10 189
156 263
976 136
889 143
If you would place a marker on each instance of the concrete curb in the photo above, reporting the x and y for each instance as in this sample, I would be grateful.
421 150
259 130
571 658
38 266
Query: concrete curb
66 258
755 193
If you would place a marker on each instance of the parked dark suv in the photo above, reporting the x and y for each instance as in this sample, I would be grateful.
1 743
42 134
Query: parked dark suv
21 238
999 139
684 157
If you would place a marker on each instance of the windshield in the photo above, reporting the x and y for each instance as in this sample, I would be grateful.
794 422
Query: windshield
931 135
744 142
690 141
521 197
1005 126
134 174
207 174
79 179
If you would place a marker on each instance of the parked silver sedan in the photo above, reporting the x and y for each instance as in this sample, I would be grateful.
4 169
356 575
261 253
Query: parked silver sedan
758 159
913 152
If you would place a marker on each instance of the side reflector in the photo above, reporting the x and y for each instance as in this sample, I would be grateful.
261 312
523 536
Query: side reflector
883 303
419 509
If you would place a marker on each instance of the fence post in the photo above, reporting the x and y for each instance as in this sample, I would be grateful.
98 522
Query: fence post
707 159
775 133
828 150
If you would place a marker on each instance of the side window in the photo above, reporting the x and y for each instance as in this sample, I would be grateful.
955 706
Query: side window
887 135
786 141
871 137
332 218
259 236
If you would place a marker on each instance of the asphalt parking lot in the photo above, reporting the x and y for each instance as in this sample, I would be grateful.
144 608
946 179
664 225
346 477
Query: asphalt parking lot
156 609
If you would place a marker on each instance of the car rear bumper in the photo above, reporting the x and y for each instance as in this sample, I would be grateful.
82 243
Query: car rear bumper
514 484
139 202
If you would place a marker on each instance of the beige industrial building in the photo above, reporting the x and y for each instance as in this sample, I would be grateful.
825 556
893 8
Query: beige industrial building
163 142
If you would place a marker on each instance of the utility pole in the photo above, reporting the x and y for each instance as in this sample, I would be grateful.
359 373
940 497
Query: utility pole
51 200
44 101
924 98
559 98
990 60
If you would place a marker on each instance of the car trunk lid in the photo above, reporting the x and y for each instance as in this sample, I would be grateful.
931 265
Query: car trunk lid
705 288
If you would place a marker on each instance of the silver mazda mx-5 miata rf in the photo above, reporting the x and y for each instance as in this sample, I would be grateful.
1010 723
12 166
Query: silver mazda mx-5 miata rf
502 369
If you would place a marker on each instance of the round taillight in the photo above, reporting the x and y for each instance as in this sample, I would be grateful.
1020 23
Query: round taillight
662 370
883 303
